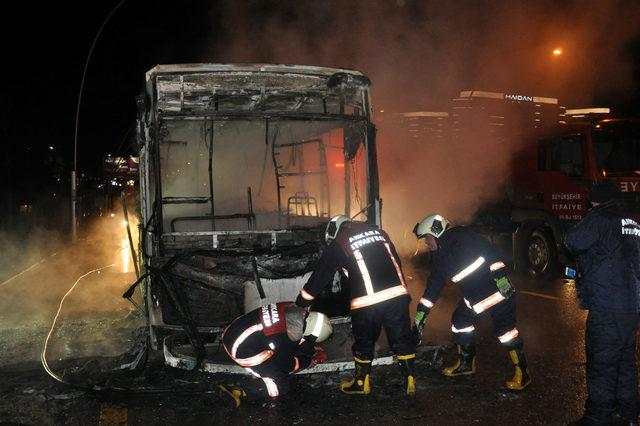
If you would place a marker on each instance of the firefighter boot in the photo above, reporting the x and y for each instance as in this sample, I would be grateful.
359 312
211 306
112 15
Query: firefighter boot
521 377
360 382
232 394
465 364
406 365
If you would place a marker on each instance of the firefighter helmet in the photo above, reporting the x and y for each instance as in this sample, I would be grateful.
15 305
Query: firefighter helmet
333 227
318 325
433 224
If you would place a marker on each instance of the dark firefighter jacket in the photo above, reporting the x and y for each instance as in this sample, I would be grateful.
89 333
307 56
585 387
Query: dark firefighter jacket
371 263
471 263
258 341
607 242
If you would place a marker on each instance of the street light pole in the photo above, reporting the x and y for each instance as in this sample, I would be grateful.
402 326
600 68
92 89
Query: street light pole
74 181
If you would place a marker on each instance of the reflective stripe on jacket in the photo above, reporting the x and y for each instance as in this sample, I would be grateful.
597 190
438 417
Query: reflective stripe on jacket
471 262
371 262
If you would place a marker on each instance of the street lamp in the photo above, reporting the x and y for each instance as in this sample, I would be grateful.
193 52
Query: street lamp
75 140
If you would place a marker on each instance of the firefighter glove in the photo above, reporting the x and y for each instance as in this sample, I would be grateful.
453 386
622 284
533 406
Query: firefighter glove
504 286
306 347
319 356
421 317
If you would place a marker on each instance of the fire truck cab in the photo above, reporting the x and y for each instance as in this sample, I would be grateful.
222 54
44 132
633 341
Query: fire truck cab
553 176
557 155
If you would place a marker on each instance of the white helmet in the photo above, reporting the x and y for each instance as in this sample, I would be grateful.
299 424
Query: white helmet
433 224
318 324
333 227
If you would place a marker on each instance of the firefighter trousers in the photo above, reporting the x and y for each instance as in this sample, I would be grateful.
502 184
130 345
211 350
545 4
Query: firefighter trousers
612 374
266 383
367 323
503 318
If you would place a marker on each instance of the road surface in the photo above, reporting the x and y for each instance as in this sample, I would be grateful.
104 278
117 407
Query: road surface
96 324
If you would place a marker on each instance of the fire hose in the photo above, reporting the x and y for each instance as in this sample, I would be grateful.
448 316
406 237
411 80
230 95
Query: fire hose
43 354
128 295
98 388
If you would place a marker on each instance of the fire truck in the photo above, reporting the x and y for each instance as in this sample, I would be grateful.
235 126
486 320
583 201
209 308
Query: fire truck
560 155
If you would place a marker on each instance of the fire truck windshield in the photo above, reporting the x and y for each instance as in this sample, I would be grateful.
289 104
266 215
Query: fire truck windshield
616 146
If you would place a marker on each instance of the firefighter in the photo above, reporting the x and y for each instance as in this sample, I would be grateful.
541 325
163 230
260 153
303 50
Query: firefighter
470 262
379 296
607 243
272 342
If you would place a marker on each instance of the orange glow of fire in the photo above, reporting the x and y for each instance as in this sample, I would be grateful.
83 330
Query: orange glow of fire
125 255
126 259
339 165
557 52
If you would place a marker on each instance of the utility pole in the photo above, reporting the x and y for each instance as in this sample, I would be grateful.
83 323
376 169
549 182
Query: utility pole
74 181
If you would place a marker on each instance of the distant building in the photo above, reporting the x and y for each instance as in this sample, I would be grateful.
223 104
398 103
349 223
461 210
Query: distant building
582 114
432 125
502 114
478 112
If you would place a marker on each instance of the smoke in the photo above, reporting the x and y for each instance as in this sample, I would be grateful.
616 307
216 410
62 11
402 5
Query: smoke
95 319
19 250
419 55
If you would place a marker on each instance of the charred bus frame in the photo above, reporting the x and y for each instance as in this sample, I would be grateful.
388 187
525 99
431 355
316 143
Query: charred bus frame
222 257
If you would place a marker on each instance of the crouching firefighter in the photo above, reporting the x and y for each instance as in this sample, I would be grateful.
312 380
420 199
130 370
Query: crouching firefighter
378 296
472 263
272 342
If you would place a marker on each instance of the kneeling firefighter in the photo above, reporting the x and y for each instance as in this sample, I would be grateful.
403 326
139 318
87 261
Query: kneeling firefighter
379 296
471 262
272 342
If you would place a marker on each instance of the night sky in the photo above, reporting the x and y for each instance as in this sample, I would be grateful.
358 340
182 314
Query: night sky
418 55
47 54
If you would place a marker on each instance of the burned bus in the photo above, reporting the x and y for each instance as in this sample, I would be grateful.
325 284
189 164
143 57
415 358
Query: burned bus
241 167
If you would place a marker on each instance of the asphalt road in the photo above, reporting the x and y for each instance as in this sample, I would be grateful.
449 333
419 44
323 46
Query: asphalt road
96 325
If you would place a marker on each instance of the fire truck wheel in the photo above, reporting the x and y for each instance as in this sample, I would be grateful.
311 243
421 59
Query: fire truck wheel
540 252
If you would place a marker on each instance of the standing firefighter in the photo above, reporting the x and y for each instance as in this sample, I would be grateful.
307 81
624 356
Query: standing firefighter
607 242
379 297
272 342
468 260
